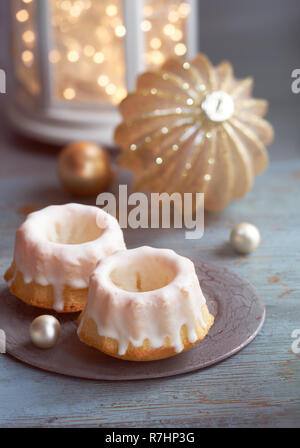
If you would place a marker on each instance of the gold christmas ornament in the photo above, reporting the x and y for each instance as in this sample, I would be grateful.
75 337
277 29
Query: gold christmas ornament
84 168
192 127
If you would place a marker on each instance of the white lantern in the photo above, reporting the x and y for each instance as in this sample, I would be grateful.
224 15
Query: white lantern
75 60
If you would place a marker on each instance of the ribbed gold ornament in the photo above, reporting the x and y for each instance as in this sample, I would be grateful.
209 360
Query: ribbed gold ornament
192 127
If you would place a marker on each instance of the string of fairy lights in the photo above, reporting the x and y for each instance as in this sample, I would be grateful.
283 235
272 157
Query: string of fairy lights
88 56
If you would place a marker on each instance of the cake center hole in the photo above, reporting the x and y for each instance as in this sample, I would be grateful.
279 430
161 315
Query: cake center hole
72 229
143 275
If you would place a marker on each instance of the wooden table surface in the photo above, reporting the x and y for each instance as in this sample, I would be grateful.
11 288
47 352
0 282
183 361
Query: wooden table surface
257 387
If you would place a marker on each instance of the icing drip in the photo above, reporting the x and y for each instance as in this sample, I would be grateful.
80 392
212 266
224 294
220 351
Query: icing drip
145 293
61 245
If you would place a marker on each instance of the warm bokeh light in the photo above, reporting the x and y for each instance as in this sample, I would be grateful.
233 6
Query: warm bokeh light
120 94
146 25
103 80
155 43
98 57
110 89
111 10
73 56
27 58
169 29
120 31
184 9
155 58
28 36
69 93
22 15
177 35
180 49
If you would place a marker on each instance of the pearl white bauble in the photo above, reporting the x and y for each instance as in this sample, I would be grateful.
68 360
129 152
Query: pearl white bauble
44 331
245 237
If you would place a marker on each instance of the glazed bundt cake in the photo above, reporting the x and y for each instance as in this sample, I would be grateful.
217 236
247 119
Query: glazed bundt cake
144 304
56 250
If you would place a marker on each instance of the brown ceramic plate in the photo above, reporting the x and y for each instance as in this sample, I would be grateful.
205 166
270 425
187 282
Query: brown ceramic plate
239 315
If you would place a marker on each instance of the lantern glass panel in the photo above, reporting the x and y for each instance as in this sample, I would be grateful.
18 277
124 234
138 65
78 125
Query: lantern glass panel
75 60
87 55
25 47
164 26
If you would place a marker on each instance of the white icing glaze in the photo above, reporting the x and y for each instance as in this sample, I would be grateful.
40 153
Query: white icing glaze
61 244
145 293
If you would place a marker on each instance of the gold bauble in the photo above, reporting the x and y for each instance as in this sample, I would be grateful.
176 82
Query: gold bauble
84 168
192 127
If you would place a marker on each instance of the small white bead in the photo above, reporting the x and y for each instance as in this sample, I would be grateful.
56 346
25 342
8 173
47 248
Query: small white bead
44 331
245 237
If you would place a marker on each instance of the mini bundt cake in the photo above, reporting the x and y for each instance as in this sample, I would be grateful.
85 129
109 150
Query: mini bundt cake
56 250
144 304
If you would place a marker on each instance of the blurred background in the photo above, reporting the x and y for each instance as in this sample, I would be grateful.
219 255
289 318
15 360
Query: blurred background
260 38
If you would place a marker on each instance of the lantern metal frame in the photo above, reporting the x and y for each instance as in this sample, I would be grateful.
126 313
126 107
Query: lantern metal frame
57 121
